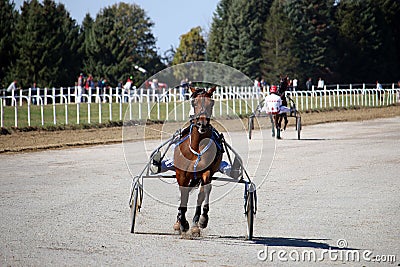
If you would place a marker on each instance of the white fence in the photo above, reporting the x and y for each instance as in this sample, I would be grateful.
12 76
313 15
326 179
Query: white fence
112 103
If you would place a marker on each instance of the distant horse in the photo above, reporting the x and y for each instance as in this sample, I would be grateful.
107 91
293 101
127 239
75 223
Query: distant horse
196 159
283 86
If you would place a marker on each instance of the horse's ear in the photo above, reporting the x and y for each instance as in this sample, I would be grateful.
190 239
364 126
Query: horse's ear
211 91
192 89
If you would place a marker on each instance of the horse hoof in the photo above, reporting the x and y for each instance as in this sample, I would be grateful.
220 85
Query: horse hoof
177 226
184 226
195 231
203 221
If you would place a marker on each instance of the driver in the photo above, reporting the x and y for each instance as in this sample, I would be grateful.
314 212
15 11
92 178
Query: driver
273 105
273 102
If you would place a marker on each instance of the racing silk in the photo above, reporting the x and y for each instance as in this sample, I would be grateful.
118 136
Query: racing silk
272 104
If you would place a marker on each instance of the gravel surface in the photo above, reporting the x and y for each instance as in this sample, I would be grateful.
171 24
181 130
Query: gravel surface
69 207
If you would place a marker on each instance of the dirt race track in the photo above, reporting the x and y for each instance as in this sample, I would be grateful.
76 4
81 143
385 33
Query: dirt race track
332 196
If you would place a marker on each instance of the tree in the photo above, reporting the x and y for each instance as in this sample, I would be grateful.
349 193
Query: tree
192 47
241 22
121 39
168 56
360 40
217 30
310 22
7 21
279 45
88 48
71 42
45 36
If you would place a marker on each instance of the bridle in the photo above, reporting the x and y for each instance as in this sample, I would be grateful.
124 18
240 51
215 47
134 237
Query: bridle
202 116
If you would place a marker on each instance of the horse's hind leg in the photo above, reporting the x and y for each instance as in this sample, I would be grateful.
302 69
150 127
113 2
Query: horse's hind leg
278 122
286 121
204 217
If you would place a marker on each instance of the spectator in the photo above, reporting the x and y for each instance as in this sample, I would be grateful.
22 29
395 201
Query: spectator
154 84
378 86
380 91
104 89
127 89
257 86
34 93
309 84
10 92
294 84
101 84
320 85
263 84
80 84
86 90
290 85
184 89
398 91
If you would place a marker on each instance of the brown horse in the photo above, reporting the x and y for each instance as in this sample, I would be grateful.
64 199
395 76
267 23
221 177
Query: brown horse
196 159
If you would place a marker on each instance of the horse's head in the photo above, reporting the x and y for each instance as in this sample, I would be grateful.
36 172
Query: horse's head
202 104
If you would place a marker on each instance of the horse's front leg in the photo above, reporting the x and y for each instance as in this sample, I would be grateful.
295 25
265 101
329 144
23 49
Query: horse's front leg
206 207
200 199
182 224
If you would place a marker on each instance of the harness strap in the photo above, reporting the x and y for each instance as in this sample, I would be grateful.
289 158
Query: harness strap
198 154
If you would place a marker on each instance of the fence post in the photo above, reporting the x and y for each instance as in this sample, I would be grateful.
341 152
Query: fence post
175 111
2 113
45 95
120 109
306 100
320 99
130 108
158 108
77 112
110 107
166 107
88 112
140 110
42 111
220 105
16 115
20 98
148 104
99 109
66 111
233 101
54 111
240 100
183 110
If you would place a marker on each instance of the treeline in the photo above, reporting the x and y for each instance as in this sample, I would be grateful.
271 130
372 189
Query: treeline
43 44
342 41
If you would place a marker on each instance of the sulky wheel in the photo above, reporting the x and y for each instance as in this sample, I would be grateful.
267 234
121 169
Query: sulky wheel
135 205
251 125
250 214
298 127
